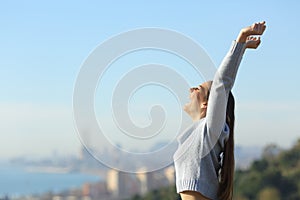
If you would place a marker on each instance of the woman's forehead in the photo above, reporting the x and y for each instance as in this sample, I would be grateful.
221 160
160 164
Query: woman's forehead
206 85
203 86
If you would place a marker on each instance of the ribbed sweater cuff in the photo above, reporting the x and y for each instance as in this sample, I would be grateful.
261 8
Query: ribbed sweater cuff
203 187
192 185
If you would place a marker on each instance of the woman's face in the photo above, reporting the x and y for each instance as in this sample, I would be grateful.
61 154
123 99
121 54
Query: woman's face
196 108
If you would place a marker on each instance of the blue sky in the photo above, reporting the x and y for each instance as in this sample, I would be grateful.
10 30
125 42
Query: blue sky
43 45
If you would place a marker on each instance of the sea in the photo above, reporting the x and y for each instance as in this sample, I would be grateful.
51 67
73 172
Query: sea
16 181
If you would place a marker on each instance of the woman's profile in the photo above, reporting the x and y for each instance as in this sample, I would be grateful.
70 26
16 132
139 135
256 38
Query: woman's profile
204 160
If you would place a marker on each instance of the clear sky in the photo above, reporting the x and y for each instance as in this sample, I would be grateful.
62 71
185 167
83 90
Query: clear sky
43 45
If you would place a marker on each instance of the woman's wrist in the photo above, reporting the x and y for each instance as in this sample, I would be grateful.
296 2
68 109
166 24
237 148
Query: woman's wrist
242 37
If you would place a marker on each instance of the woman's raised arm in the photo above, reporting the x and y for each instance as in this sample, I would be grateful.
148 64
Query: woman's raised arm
225 77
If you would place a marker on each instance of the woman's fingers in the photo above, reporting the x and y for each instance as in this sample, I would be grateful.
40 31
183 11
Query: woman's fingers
259 28
252 38
253 42
255 29
263 27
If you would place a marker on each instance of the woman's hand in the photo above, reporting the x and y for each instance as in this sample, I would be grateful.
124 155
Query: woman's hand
254 29
252 42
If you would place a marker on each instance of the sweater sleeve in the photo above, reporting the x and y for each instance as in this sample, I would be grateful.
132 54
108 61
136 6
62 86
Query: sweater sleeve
222 84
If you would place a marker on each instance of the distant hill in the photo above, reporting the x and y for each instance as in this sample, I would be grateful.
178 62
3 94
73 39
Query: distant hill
276 176
244 156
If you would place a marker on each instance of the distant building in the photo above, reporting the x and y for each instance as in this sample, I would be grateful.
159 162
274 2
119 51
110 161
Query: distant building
118 183
170 174
56 197
147 181
72 197
94 190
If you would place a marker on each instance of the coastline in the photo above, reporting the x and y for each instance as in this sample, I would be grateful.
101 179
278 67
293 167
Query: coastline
30 180
49 170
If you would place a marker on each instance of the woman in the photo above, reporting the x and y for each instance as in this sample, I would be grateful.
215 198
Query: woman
204 160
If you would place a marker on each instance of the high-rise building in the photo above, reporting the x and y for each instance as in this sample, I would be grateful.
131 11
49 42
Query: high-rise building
117 183
147 180
170 174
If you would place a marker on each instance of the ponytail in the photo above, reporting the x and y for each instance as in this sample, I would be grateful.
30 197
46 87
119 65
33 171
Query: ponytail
227 170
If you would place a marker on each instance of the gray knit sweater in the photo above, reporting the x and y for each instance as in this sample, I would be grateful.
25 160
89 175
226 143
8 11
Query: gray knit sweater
198 157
